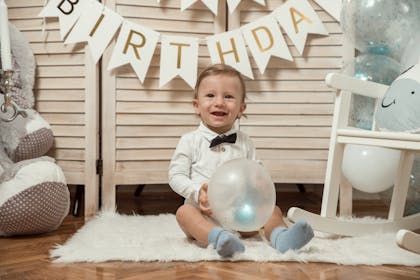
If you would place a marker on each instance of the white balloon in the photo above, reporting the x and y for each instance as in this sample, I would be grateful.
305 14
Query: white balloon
370 169
241 195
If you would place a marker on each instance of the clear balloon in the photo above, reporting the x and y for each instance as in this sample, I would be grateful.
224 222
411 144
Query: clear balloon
411 54
241 195
380 26
370 169
373 67
369 67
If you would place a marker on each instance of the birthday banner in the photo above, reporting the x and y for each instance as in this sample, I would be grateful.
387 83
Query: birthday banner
90 21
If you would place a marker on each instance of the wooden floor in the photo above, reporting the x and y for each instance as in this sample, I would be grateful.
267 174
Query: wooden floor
27 257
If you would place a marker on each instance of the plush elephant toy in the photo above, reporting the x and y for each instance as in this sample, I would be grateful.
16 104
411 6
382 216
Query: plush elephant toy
34 197
399 110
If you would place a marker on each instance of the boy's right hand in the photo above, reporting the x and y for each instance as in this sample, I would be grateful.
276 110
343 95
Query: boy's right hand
203 201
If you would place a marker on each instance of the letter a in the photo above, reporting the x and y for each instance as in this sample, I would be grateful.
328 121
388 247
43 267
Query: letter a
295 22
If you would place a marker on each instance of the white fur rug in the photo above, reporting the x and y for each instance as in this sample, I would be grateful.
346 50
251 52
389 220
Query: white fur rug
110 236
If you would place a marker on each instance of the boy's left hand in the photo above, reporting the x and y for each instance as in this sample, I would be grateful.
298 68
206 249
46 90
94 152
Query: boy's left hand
203 201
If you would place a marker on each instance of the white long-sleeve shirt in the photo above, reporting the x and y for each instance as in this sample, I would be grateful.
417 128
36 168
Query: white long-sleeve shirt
193 162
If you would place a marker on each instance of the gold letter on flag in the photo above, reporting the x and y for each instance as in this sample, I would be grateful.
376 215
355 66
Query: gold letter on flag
178 56
97 25
298 19
264 39
229 48
143 43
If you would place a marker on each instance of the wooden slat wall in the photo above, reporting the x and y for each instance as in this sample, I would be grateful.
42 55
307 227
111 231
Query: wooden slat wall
66 94
289 107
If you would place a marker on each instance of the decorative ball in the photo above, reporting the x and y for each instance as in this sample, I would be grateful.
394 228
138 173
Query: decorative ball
379 26
33 203
370 169
241 195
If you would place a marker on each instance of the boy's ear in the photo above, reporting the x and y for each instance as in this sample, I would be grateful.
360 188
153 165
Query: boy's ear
241 110
195 104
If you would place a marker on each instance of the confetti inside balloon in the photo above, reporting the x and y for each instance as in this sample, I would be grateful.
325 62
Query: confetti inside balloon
379 26
241 195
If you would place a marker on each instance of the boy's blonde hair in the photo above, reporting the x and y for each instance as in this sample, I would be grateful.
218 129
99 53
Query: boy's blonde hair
220 69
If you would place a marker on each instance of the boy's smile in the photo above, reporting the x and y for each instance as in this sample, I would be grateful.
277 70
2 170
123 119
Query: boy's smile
219 102
219 114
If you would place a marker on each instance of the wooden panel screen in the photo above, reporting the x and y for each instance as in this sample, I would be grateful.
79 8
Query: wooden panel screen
66 95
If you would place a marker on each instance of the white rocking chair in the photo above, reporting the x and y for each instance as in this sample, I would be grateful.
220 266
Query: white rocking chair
336 184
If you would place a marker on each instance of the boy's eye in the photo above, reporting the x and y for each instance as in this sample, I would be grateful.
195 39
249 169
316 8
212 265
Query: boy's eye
209 95
229 96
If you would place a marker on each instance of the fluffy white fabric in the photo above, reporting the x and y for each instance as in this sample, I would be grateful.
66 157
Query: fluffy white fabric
111 236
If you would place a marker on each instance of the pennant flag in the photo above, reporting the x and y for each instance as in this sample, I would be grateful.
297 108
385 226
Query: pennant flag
332 7
261 2
264 39
97 25
229 48
232 4
178 56
185 4
68 13
298 19
135 45
211 4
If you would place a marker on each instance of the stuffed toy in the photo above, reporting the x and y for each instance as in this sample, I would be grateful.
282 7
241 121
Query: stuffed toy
399 109
34 197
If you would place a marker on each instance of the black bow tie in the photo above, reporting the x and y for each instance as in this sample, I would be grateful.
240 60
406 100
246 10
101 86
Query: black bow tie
223 139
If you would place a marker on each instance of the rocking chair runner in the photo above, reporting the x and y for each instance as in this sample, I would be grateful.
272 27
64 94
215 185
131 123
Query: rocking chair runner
336 184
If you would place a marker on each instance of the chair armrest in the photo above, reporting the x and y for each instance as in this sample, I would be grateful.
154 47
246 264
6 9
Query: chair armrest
366 88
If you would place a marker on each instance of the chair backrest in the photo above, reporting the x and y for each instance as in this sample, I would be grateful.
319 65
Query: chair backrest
345 86
347 83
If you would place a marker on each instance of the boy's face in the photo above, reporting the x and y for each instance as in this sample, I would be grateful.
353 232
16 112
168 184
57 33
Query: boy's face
219 102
